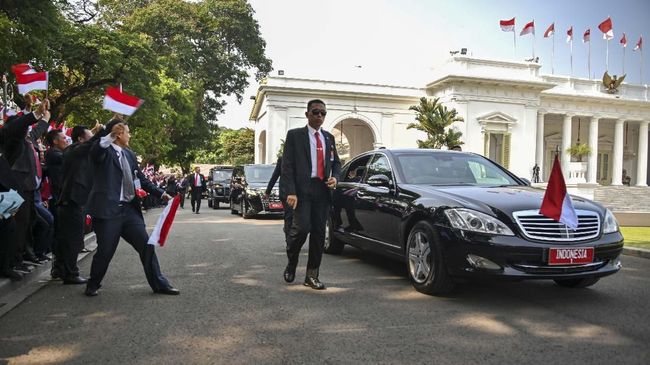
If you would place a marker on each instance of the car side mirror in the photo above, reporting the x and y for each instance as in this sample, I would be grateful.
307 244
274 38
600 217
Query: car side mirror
379 181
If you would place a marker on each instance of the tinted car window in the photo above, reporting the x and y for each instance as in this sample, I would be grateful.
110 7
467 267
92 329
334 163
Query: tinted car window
451 169
356 169
221 175
379 166
259 174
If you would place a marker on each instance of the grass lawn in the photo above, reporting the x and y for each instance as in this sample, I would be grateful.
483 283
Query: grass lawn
636 236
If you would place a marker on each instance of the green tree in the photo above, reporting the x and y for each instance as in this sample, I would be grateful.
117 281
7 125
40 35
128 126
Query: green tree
238 146
434 119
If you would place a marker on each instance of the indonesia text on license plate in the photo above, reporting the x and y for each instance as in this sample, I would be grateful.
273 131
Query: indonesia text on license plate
275 205
568 256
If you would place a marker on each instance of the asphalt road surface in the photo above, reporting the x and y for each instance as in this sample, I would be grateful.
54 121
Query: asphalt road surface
234 308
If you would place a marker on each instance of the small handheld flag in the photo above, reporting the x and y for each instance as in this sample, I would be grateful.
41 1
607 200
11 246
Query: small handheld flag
117 101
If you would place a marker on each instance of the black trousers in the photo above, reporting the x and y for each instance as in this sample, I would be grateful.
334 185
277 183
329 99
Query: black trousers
23 243
129 225
7 247
69 228
183 197
309 218
196 200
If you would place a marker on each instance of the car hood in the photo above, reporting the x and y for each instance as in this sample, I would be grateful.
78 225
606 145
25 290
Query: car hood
505 199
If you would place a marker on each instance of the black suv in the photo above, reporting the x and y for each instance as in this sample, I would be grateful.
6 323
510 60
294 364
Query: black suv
218 190
247 191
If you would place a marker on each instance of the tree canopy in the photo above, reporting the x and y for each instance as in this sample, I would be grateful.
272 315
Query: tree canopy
434 119
181 57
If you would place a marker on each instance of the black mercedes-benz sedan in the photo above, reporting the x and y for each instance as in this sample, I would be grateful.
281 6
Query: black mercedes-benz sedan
247 188
453 215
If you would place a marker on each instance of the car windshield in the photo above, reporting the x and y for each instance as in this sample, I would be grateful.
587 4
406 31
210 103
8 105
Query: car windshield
441 168
221 175
259 173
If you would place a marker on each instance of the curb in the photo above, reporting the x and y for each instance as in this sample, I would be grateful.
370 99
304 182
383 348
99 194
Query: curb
14 293
638 252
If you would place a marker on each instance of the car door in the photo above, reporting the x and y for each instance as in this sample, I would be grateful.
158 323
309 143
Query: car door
374 205
343 215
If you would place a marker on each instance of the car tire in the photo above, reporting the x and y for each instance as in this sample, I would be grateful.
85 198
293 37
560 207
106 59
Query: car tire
576 283
425 263
244 210
215 205
209 203
232 210
332 244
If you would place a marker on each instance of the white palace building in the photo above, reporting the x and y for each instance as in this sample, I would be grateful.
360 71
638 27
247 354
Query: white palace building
512 114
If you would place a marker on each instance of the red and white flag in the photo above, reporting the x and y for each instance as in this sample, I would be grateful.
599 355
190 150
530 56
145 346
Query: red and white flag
639 44
623 41
507 25
557 203
550 31
528 28
22 68
587 36
569 35
164 224
31 81
117 101
606 28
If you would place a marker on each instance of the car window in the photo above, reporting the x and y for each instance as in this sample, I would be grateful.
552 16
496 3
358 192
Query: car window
221 175
356 169
259 173
451 169
379 166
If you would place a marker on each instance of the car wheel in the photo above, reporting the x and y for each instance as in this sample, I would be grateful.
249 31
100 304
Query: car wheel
215 205
209 203
244 209
232 210
576 283
333 245
425 264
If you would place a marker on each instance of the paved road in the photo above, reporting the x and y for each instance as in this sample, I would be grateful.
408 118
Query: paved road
235 309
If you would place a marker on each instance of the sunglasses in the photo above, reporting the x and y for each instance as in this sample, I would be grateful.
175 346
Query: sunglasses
318 111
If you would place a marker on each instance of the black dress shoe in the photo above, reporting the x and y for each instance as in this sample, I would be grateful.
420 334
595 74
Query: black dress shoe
91 291
13 275
314 283
289 274
168 291
74 280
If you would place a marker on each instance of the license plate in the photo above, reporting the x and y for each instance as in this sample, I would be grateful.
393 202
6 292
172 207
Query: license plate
275 205
568 256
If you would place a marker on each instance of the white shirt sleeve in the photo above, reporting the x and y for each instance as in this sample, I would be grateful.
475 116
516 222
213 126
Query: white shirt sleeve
106 141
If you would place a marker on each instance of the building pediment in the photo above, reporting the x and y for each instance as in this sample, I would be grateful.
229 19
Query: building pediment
496 118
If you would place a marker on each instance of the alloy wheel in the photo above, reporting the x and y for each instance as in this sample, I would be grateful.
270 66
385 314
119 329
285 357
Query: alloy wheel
419 252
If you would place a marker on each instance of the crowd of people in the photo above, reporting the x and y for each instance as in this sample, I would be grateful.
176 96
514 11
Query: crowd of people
45 181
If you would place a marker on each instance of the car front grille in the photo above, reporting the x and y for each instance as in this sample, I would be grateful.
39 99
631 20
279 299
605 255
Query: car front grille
538 227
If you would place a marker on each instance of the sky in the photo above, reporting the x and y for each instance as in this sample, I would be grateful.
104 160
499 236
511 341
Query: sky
400 42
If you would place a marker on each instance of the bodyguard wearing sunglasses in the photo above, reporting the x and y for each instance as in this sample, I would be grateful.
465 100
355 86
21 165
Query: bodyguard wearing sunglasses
310 169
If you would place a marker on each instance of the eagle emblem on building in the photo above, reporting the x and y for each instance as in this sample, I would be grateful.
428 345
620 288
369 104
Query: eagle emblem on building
612 83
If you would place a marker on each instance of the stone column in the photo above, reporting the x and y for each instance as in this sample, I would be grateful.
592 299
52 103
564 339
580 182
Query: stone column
566 143
617 159
592 168
539 151
642 155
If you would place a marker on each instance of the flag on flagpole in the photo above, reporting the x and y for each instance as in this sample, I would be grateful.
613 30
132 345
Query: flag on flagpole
557 203
623 41
550 31
528 28
607 28
569 35
119 102
31 81
639 44
164 224
587 36
507 25
22 68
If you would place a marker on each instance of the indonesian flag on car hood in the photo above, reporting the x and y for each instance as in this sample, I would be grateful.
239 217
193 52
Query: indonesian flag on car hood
31 81
557 203
607 28
507 25
164 224
528 28
117 101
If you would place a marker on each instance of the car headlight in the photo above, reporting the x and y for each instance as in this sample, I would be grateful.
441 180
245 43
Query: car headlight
471 220
610 225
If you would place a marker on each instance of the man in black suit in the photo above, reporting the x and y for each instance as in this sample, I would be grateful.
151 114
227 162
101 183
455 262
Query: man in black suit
116 209
197 185
76 181
7 225
310 168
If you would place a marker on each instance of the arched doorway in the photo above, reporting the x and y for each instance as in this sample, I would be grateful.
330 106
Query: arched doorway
261 147
353 136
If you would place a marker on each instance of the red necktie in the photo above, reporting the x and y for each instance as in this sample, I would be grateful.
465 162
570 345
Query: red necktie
320 166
